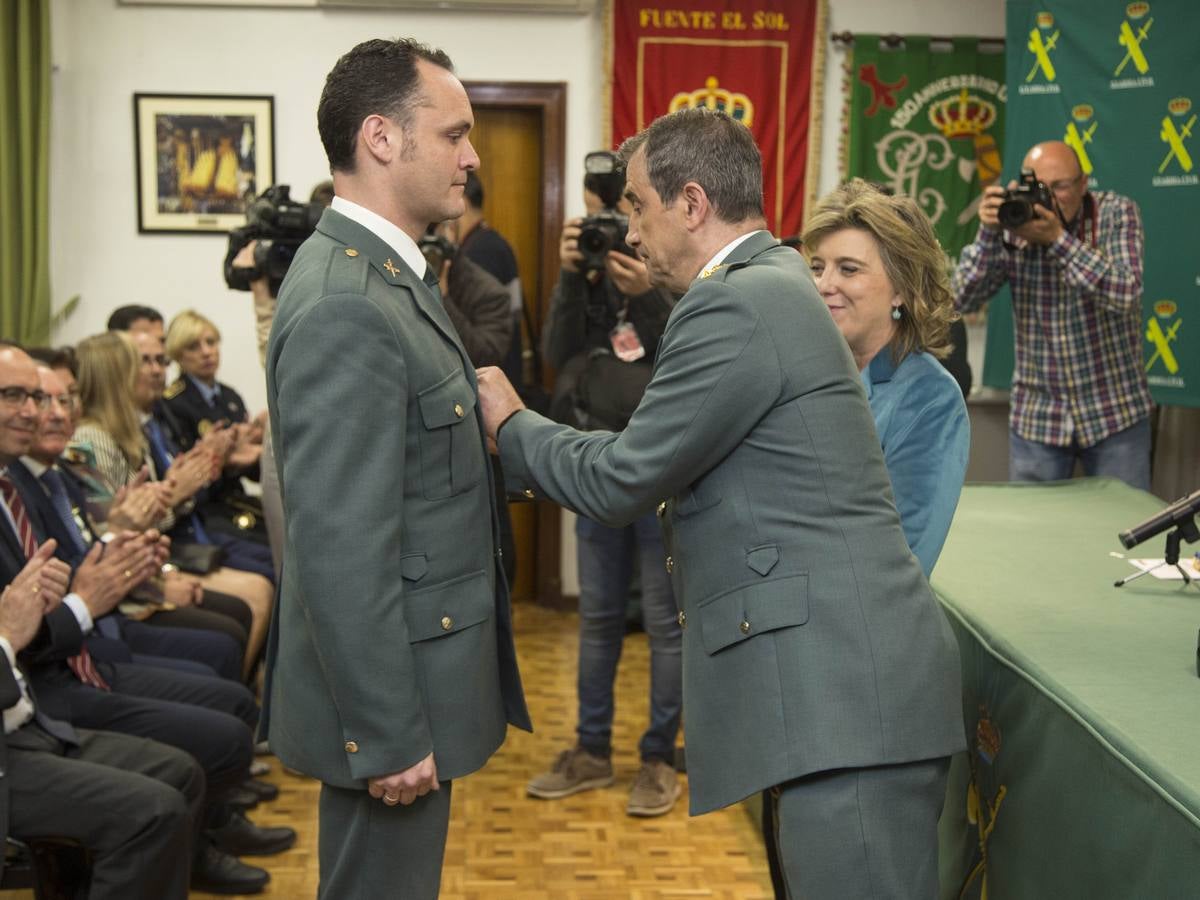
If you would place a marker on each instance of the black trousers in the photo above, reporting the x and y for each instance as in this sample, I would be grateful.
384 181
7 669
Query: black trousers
217 612
132 802
210 718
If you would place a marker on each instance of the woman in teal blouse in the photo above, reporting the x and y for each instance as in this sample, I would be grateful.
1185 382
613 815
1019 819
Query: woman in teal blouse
883 275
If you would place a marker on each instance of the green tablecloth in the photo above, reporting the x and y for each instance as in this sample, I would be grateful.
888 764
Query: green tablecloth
1082 700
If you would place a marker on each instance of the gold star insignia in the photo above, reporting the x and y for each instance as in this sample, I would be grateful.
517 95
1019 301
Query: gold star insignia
390 266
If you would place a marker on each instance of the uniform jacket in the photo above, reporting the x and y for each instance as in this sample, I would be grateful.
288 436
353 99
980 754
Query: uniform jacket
811 640
392 634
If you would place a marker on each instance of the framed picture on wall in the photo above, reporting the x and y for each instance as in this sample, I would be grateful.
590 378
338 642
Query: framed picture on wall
200 159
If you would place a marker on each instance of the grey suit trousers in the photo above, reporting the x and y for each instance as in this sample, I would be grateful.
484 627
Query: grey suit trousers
862 834
130 801
369 850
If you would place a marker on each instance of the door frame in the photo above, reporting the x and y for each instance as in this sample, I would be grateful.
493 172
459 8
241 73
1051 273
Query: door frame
549 99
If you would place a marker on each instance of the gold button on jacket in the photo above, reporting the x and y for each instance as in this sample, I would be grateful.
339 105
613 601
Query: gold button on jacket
662 509
682 619
458 410
351 747
745 626
670 564
447 623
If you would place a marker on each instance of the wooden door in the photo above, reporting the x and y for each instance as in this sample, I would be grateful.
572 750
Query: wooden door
519 136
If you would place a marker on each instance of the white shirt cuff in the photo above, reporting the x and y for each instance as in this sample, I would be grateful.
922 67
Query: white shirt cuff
79 608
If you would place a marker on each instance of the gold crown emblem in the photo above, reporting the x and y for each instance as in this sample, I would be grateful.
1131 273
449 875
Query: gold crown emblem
1164 309
1137 10
735 105
1082 112
1179 106
1045 20
964 115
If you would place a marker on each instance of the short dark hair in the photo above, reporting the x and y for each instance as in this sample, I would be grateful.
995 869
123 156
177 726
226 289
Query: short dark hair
473 193
707 147
56 358
375 77
123 317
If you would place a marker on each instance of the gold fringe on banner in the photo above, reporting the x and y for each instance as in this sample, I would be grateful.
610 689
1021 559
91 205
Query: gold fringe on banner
816 109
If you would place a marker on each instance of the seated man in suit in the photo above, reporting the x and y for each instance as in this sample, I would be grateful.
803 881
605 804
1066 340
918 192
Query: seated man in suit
816 661
130 802
53 494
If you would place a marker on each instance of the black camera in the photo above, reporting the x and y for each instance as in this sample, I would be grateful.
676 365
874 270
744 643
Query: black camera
280 225
1017 206
604 176
599 234
436 250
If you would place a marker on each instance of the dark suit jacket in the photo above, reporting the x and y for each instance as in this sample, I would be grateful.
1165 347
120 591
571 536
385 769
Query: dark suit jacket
811 640
392 635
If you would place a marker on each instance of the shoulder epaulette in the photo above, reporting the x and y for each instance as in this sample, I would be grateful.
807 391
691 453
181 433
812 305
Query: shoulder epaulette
174 389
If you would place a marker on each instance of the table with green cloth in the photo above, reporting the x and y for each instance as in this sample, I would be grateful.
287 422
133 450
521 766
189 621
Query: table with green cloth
1082 778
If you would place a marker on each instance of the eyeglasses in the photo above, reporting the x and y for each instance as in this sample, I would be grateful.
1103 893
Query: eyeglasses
16 396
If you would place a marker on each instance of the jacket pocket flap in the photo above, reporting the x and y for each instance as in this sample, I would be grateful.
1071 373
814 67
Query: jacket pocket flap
763 559
413 566
448 402
448 607
754 609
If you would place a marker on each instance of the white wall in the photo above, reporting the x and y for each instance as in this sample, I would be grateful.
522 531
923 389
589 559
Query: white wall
104 53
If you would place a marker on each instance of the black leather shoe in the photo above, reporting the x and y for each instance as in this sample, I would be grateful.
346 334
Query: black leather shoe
241 837
242 798
216 872
263 790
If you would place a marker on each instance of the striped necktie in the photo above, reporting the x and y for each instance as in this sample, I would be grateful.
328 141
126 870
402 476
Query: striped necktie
82 664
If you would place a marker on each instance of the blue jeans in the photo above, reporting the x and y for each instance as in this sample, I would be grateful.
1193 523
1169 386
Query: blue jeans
606 558
1124 455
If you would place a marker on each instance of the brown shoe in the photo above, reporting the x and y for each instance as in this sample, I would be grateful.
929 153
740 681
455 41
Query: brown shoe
575 770
654 790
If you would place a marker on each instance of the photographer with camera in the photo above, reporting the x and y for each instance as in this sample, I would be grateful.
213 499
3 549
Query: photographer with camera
259 255
602 336
1073 259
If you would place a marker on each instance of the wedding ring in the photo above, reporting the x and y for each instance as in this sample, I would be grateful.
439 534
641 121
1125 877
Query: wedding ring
391 799
128 573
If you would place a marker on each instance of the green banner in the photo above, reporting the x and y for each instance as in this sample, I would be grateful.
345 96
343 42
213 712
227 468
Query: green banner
1120 82
926 118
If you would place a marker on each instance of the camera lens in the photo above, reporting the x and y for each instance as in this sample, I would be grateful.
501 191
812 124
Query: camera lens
1015 212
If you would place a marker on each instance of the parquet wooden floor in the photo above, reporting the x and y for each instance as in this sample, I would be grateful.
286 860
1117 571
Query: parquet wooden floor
504 845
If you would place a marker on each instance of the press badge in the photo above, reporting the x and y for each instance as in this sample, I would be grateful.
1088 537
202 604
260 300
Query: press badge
625 343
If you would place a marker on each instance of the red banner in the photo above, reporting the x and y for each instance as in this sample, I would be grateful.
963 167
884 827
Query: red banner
753 59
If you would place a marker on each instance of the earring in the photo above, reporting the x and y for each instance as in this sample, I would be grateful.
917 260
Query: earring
896 313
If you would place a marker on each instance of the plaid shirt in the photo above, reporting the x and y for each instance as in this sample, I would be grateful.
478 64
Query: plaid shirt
1077 315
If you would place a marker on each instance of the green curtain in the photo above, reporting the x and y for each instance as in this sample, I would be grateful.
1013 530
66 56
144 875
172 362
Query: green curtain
24 170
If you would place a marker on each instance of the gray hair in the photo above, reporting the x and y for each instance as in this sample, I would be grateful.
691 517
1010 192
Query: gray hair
709 148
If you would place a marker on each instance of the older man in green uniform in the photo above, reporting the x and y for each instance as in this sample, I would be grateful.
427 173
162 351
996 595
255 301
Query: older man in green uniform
816 661
391 667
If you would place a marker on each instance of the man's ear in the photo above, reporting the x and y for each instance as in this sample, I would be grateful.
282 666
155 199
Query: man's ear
377 138
695 205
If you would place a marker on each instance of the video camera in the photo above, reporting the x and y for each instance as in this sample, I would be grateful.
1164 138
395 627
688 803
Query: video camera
1017 206
280 225
606 230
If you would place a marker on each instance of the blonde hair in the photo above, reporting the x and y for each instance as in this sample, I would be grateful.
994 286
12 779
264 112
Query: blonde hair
912 257
186 329
108 372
